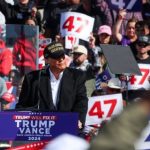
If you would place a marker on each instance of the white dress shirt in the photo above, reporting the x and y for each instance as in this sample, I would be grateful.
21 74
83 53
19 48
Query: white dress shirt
55 84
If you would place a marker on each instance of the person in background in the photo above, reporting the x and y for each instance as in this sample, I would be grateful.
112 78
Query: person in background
25 47
52 13
56 88
102 5
100 64
5 59
142 57
89 7
130 34
142 28
80 61
16 14
142 48
104 37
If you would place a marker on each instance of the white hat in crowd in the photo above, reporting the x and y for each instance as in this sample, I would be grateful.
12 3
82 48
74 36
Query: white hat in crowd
114 83
67 142
80 49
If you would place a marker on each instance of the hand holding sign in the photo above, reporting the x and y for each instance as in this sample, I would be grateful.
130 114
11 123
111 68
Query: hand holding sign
122 14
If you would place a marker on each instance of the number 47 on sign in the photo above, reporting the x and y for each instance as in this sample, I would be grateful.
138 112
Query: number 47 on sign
103 108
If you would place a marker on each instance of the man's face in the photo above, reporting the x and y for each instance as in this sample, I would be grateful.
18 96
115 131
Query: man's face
79 58
142 31
24 1
142 47
57 64
104 38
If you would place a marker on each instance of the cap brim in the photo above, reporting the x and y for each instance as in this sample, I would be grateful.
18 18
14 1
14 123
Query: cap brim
57 55
77 53
105 33
114 87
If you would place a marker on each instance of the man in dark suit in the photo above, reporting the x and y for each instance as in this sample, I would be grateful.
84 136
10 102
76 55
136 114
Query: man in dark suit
56 88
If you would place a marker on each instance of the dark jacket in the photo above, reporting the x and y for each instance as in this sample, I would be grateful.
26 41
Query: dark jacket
72 96
16 14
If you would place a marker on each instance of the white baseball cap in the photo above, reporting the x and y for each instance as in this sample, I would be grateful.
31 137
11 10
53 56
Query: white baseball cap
80 49
114 83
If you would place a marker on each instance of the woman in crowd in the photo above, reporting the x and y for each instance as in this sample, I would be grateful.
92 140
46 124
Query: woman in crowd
24 50
130 35
100 64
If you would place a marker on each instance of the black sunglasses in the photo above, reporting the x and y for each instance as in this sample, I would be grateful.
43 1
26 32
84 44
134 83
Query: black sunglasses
142 44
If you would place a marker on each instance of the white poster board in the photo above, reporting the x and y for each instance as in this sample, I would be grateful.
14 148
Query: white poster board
71 41
76 24
137 82
102 108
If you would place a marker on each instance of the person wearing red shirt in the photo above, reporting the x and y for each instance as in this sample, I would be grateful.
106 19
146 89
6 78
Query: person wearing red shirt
5 59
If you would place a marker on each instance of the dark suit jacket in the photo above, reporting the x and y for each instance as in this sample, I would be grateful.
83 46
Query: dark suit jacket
72 96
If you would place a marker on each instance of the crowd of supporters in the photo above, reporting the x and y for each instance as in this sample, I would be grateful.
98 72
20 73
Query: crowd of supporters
18 54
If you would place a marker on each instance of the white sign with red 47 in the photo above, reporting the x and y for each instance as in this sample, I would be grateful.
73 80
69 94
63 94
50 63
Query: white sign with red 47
76 24
71 41
102 108
137 82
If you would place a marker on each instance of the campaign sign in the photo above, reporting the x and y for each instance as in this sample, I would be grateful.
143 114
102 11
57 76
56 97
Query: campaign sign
137 82
71 41
77 24
103 77
129 5
44 42
33 126
41 61
143 143
101 108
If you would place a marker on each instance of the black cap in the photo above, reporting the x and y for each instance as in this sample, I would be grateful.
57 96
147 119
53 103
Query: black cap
144 39
54 50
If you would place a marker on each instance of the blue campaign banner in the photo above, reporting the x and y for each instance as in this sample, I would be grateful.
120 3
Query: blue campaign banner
103 77
33 126
129 5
